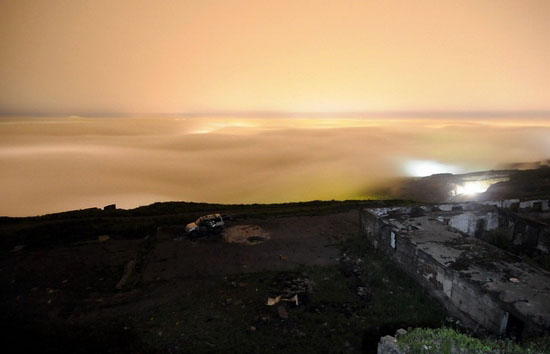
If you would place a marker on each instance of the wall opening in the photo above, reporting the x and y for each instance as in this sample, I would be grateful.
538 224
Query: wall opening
480 228
514 327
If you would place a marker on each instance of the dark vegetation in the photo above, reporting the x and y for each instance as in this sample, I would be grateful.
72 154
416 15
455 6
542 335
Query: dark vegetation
80 225
448 341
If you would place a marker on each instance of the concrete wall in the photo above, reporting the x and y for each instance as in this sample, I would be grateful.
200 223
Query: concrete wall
535 205
473 222
461 298
532 236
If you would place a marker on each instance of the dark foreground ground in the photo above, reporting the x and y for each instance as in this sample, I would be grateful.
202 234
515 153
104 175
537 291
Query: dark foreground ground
209 294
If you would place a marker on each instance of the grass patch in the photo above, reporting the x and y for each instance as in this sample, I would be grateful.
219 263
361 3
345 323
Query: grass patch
447 341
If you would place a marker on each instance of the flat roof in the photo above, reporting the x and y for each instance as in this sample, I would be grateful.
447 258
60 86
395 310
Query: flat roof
526 288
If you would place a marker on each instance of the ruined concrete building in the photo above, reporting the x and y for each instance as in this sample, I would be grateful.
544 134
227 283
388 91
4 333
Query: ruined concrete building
442 247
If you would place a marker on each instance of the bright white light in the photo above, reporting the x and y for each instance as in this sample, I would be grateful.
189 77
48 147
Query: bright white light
473 187
422 168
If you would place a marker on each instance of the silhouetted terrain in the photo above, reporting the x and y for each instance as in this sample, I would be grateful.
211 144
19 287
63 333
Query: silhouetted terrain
522 184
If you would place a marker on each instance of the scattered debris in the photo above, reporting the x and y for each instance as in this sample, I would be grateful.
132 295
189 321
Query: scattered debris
273 301
362 291
283 313
18 248
293 289
103 238
283 257
353 266
293 299
129 270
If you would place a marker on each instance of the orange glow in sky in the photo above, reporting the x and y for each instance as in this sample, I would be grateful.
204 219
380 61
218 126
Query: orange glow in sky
240 101
55 164
163 56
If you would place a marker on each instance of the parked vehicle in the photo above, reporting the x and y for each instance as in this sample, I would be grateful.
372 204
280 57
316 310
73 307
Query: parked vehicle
206 224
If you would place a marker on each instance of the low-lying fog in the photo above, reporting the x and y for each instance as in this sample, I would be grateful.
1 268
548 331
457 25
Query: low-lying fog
55 164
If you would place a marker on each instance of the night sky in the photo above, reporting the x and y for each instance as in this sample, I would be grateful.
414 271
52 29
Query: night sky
132 102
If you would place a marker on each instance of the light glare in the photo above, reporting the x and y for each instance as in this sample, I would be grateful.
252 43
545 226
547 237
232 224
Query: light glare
423 168
473 187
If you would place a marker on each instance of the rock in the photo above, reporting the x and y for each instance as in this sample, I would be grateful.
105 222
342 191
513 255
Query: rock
103 238
362 291
282 312
252 329
388 345
228 301
400 333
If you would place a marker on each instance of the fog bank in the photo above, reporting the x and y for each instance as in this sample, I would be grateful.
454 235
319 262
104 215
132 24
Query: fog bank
55 164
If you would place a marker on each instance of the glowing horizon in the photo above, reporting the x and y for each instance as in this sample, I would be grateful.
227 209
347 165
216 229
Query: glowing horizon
57 163
282 100
66 57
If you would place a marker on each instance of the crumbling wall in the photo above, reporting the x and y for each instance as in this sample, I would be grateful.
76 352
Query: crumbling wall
463 299
534 205
532 236
474 224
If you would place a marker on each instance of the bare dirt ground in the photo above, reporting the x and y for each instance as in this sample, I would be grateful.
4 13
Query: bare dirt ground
210 293
287 242
75 284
